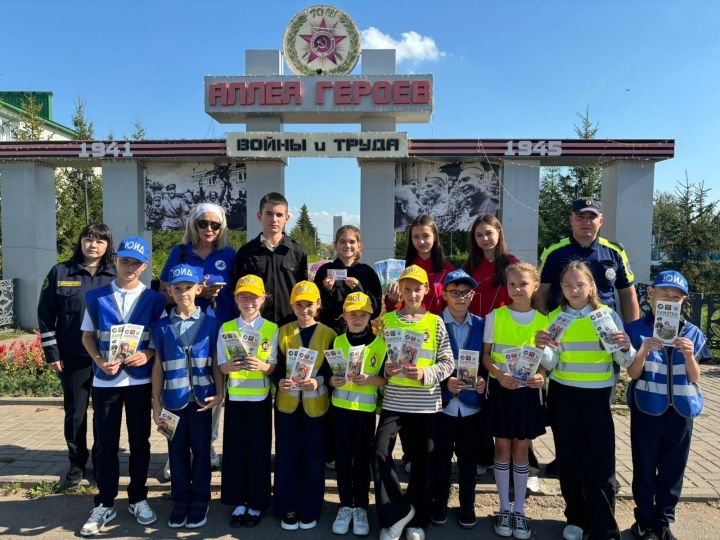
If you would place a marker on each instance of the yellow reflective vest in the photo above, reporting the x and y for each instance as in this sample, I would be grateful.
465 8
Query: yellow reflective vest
427 326
315 402
583 360
508 334
352 396
245 382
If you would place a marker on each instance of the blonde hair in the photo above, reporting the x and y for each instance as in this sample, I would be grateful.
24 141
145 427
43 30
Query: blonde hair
349 228
582 268
192 236
532 271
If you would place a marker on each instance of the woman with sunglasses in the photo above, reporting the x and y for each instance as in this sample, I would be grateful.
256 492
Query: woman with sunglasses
205 245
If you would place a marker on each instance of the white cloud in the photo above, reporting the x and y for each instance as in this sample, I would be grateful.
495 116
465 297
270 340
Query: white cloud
412 46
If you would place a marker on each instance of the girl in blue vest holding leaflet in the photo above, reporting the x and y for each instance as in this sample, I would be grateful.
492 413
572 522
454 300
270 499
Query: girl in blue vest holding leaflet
187 382
515 413
121 384
664 397
355 401
457 425
247 438
300 407
581 384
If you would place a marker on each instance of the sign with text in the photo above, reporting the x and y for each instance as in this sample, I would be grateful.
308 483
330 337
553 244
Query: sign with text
267 144
320 99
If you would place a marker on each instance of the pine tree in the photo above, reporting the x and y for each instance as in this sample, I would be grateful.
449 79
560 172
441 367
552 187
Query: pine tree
139 132
305 233
30 126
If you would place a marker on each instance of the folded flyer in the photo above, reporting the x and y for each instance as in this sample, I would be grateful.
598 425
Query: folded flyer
128 342
338 274
337 361
667 321
389 270
250 340
605 328
302 370
558 327
468 364
528 364
292 355
168 423
511 355
355 361
116 331
233 346
411 345
393 339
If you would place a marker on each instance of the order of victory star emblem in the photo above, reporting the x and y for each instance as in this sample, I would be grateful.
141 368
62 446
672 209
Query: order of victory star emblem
321 40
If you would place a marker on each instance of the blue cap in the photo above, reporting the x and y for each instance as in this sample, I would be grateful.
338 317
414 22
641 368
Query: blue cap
212 279
184 273
134 247
459 275
671 278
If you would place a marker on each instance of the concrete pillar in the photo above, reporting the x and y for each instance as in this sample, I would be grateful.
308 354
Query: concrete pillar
262 176
377 178
28 233
520 201
627 197
124 203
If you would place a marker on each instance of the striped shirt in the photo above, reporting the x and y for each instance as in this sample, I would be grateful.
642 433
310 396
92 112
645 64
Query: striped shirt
415 399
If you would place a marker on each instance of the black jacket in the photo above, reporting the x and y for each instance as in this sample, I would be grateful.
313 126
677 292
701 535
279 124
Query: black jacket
280 270
61 309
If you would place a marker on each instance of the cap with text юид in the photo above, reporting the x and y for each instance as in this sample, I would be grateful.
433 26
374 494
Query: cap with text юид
460 276
134 247
184 273
671 278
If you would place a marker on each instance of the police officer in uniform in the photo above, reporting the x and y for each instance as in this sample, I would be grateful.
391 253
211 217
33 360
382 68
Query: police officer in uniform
60 311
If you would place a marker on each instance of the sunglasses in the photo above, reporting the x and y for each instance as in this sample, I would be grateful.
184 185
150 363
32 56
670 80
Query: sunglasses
461 294
205 223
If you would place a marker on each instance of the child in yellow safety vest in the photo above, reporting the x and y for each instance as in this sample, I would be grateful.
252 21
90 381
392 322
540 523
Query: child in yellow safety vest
300 407
247 435
515 411
355 401
581 383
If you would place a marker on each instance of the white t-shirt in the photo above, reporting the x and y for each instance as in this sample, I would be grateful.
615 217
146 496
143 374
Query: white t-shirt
520 317
125 300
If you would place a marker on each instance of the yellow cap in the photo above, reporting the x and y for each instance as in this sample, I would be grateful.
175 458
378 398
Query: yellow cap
250 283
304 290
414 272
357 301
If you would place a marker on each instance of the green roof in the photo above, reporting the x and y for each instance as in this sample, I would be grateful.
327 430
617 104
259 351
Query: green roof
49 123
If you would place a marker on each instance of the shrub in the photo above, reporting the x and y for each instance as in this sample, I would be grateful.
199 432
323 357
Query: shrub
23 371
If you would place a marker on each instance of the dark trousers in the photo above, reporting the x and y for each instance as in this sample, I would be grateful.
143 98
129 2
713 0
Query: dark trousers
77 385
455 434
108 407
419 432
190 480
485 443
660 449
354 431
247 440
584 435
299 464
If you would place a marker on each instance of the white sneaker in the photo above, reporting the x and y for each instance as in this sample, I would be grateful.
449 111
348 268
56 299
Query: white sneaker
395 532
307 525
503 524
341 525
415 533
361 527
142 512
521 527
533 484
166 470
99 517
214 459
572 532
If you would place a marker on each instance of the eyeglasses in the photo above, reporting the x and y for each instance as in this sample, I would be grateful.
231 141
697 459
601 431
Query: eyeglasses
574 286
461 294
205 223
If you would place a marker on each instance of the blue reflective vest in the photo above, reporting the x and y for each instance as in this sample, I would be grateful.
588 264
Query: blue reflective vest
187 370
474 342
664 384
104 314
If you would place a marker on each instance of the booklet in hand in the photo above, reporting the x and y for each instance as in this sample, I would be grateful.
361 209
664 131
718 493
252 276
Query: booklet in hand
667 321
558 327
393 339
302 370
411 345
234 347
124 339
605 328
355 362
468 364
528 364
337 361
168 423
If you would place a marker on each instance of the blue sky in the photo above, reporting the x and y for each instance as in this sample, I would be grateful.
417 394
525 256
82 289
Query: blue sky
516 69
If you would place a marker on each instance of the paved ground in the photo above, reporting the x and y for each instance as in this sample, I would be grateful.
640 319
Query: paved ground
32 449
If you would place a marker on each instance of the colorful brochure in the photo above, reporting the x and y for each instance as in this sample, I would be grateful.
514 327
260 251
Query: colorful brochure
389 270
511 355
528 364
338 274
292 355
127 343
250 340
605 328
302 370
667 321
468 364
558 327
411 345
233 346
337 361
393 339
355 361
169 422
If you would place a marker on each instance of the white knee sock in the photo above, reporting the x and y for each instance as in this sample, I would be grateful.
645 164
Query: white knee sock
520 479
502 481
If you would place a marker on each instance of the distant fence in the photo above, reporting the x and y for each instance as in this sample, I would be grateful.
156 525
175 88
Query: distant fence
703 310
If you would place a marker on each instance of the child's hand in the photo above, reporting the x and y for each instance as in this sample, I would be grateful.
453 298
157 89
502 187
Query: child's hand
393 369
536 381
351 282
110 368
542 339
138 359
285 385
156 417
337 382
361 380
393 293
328 282
309 385
622 339
480 385
508 381
455 385
228 367
252 363
210 402
685 347
414 373
651 344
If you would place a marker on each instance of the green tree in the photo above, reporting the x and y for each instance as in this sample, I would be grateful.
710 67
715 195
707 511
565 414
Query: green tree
138 133
305 233
29 126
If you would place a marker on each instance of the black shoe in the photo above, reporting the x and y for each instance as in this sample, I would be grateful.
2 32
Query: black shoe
73 476
290 522
178 516
439 516
237 520
551 469
252 521
467 520
644 534
197 516
666 534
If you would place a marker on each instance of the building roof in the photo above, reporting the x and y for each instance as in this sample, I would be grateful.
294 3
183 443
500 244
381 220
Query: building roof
46 122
